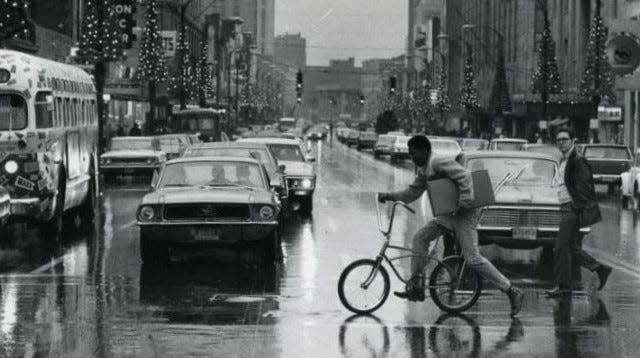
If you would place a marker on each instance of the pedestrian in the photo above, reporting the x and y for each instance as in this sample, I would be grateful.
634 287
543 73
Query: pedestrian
135 130
462 222
579 208
120 132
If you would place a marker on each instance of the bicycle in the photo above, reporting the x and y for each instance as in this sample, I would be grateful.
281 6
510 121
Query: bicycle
453 286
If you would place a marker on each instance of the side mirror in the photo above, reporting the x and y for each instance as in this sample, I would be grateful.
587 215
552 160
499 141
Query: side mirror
276 184
310 158
154 180
282 168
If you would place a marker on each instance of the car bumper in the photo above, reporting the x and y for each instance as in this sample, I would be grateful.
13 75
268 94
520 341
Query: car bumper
29 208
504 237
606 178
226 233
300 192
366 145
404 155
130 169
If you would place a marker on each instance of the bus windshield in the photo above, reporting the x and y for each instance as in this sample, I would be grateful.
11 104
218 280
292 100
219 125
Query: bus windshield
13 112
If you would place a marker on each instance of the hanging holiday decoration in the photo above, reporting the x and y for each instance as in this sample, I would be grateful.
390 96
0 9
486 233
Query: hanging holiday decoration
100 40
500 100
443 104
185 80
546 78
598 80
468 92
152 65
203 72
14 20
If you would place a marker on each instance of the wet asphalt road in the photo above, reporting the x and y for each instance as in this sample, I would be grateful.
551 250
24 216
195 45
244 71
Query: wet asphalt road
92 297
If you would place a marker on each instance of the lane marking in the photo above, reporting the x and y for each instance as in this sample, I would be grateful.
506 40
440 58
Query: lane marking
49 265
333 226
127 225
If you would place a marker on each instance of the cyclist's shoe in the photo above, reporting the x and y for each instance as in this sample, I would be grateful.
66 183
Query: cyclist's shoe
414 290
603 272
515 299
411 295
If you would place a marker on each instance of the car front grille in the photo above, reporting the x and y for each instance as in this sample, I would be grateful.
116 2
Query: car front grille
296 183
520 218
234 212
129 160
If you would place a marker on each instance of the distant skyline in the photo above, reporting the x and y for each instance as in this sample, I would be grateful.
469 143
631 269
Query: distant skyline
339 29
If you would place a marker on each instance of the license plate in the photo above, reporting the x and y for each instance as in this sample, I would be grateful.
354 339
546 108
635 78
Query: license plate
207 234
129 170
525 233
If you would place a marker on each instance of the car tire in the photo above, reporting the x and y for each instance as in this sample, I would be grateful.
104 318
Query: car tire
376 155
611 189
625 202
271 250
88 208
51 230
359 148
306 206
393 159
152 252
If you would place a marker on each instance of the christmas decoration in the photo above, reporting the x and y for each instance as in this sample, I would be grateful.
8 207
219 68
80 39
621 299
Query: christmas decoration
500 100
598 80
203 72
546 78
152 65
183 81
443 104
468 92
14 19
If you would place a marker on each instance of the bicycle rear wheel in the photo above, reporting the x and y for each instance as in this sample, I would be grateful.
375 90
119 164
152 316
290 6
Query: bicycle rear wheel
454 286
353 293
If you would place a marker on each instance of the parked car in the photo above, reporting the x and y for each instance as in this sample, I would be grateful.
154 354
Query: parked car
473 144
300 173
317 133
550 149
352 137
445 148
507 144
258 151
131 156
5 207
607 162
526 213
209 202
383 145
399 149
341 133
173 144
366 140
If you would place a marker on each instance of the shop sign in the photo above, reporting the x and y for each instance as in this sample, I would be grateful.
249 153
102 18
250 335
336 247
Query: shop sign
169 42
610 114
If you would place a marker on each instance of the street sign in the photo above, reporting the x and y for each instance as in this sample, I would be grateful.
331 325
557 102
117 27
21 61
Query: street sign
623 53
124 10
169 42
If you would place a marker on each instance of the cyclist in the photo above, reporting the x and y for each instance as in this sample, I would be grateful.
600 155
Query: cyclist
462 222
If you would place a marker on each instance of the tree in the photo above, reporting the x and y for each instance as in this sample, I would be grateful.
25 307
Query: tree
100 43
443 104
205 85
500 100
546 79
183 81
598 80
468 92
152 66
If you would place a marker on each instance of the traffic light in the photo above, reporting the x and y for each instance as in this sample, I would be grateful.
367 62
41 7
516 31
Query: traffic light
392 84
332 101
299 97
362 100
299 80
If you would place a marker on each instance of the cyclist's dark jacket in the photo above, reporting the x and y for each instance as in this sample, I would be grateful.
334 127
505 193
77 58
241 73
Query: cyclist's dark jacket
439 168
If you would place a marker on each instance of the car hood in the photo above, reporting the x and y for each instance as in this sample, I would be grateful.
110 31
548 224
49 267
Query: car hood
131 154
446 153
208 195
297 168
528 194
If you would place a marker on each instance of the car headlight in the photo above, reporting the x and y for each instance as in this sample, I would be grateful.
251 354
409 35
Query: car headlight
105 161
266 212
146 213
306 183
11 167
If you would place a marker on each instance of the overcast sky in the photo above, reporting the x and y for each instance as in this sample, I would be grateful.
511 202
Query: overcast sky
345 28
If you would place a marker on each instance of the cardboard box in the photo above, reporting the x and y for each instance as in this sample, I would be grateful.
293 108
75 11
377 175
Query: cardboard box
443 193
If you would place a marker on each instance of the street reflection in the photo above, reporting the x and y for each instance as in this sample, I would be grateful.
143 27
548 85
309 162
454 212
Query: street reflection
583 335
363 336
212 294
455 336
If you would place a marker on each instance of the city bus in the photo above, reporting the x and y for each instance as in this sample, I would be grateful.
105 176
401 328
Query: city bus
286 123
207 122
48 140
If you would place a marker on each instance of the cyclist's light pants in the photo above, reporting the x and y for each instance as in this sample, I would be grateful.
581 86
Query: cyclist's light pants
464 225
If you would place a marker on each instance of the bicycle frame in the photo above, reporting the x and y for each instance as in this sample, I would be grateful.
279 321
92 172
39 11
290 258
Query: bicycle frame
387 245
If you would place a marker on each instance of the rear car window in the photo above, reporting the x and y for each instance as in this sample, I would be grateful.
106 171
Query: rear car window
606 153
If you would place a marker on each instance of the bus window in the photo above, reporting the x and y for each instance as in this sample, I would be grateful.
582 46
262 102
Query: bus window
58 112
206 124
44 117
74 110
193 124
66 121
13 112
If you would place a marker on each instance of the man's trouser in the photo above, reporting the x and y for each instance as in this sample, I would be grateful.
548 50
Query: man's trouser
463 224
567 248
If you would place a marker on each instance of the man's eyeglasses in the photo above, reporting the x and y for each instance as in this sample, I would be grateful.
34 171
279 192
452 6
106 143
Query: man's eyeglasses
563 139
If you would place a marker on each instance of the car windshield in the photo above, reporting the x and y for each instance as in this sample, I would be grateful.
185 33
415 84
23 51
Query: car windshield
13 112
385 140
211 173
260 154
546 149
169 145
532 171
287 152
402 140
443 145
474 144
606 153
131 144
509 145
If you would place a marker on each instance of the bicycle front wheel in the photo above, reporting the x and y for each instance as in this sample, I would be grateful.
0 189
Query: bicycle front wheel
454 286
363 286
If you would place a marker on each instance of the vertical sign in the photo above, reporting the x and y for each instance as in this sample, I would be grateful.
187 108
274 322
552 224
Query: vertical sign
169 42
124 10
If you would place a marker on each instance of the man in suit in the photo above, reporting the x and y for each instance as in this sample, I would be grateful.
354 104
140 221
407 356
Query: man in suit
579 208
462 222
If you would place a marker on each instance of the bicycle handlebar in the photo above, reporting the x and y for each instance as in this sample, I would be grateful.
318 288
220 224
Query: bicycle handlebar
393 212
